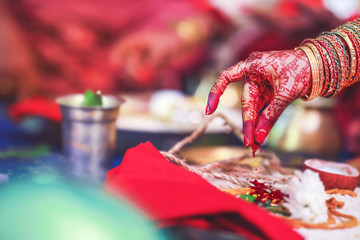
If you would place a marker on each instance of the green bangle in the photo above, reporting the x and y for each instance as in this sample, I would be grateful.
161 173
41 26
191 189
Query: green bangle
343 57
335 84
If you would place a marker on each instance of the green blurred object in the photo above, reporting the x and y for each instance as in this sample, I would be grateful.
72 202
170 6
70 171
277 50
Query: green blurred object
92 99
278 209
248 197
25 153
47 209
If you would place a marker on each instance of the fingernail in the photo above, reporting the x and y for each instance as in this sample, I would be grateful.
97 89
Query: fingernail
260 136
208 112
213 101
246 142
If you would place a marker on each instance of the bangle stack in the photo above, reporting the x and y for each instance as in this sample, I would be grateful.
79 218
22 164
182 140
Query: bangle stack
334 60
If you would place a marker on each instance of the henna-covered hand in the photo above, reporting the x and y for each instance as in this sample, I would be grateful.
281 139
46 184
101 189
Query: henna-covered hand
272 79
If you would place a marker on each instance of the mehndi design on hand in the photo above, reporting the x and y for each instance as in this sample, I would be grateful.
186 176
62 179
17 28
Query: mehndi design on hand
272 80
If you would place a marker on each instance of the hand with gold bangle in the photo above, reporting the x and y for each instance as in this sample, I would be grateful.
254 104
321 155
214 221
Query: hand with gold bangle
319 67
272 80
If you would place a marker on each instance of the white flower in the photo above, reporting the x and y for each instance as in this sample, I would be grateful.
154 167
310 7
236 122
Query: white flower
307 197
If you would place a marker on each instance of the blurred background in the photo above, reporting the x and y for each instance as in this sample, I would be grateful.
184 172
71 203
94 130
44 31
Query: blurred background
162 57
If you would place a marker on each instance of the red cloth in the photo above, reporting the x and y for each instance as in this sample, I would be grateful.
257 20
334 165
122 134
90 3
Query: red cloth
172 195
36 106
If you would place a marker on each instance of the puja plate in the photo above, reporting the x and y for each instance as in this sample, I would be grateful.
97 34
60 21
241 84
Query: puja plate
208 154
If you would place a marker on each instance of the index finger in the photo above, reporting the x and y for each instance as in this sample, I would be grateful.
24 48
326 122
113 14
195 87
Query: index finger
232 74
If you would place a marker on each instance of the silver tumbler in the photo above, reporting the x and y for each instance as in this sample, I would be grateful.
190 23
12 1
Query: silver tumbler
88 136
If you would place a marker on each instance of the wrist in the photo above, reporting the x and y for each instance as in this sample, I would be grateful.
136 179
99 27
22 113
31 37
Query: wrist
313 89
334 60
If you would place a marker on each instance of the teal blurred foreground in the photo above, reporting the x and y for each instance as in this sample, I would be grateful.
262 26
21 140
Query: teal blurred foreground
44 208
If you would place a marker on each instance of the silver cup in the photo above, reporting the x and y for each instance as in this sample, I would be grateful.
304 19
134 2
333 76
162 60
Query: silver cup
88 136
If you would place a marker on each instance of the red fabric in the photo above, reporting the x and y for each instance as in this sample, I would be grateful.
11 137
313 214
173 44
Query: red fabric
74 40
290 8
36 106
172 195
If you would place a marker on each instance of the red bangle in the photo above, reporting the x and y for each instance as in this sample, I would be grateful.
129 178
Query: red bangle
355 43
351 55
335 66
342 54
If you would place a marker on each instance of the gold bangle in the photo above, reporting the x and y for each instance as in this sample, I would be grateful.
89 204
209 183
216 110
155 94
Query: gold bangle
315 74
319 65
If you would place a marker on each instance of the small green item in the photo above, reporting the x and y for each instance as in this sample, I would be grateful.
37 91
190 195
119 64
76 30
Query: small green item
25 153
92 99
278 209
248 197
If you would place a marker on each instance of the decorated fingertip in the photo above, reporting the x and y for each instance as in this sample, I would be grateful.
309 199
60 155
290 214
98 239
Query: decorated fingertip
208 111
248 130
246 142
260 136
212 103
255 147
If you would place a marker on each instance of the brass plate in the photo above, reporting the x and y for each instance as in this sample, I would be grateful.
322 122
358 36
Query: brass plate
204 155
